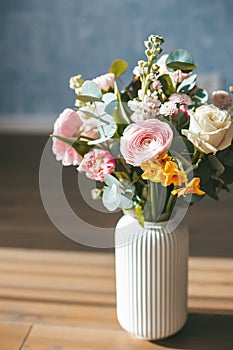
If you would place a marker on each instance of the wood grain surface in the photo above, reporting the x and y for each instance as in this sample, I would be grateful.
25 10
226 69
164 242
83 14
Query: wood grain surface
53 300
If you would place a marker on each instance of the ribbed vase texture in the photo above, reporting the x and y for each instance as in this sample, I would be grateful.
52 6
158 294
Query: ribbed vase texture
151 277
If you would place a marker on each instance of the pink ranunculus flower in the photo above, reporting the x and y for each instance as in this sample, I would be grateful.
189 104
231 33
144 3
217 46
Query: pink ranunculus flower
96 164
105 81
145 140
67 125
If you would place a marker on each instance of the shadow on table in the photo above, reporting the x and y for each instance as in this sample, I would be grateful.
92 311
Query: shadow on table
203 332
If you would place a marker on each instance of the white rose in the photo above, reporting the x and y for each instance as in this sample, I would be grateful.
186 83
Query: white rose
210 129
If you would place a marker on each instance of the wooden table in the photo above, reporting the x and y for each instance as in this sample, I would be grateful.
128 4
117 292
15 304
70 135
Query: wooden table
66 301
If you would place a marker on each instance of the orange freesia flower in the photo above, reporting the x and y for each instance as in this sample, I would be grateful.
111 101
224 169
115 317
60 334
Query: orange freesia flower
192 187
163 160
166 173
173 175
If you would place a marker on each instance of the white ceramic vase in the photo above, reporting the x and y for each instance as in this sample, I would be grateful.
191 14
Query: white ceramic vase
151 277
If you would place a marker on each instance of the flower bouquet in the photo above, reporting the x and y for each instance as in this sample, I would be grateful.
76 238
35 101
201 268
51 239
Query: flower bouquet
151 146
149 143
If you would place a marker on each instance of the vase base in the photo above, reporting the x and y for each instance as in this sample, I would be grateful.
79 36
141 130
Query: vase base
154 339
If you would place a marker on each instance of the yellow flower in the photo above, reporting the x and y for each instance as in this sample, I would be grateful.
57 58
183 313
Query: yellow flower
173 175
192 187
164 171
152 172
163 160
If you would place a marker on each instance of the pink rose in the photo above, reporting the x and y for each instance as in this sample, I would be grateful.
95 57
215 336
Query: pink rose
96 164
105 81
145 140
67 125
221 99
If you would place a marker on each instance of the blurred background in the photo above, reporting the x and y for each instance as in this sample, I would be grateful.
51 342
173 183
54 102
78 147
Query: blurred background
42 44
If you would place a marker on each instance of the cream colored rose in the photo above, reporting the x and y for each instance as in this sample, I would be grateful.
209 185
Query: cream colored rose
210 129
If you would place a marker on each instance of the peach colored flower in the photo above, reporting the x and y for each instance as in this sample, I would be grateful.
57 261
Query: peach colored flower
145 140
105 81
96 164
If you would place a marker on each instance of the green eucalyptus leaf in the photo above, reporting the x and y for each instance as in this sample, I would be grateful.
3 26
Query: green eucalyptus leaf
90 92
91 89
201 95
111 198
166 82
118 67
89 114
115 149
117 194
125 203
80 146
180 59
87 98
106 131
110 180
111 107
187 84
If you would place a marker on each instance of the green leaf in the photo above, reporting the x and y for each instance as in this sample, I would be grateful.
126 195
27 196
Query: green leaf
226 156
203 171
117 194
166 82
90 92
216 165
111 107
80 146
139 214
227 176
91 89
115 149
118 67
187 84
180 59
106 130
111 198
87 98
131 91
120 115
201 95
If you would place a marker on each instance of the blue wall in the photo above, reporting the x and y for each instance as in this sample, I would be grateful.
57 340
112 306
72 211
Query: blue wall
43 43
